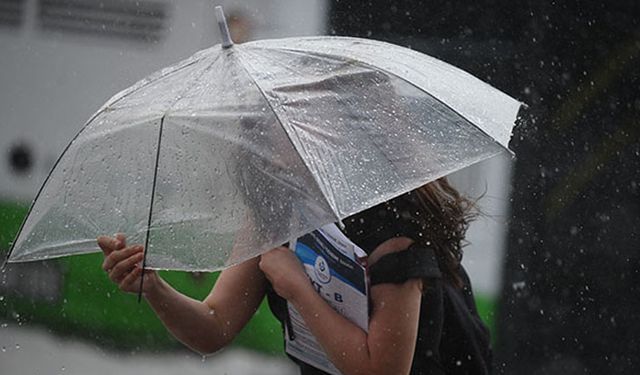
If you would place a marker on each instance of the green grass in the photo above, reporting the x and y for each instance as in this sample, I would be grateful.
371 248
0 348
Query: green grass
11 216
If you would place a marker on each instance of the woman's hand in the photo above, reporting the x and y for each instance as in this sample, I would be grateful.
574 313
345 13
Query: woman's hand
124 264
285 272
205 326
389 344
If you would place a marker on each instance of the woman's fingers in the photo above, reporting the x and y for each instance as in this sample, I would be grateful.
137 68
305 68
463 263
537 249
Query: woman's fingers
122 240
285 272
107 244
121 262
131 282
117 256
124 267
110 244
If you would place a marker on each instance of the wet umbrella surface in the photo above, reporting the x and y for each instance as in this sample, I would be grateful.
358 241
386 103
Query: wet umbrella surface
240 148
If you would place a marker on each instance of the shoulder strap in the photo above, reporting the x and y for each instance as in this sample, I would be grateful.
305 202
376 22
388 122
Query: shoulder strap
418 261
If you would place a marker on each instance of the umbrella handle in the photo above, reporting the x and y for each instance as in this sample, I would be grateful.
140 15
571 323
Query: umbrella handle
224 29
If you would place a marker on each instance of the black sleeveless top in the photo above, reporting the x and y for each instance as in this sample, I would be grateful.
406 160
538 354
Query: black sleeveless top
452 339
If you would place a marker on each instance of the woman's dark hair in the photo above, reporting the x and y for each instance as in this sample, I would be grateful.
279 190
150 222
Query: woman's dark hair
443 215
435 215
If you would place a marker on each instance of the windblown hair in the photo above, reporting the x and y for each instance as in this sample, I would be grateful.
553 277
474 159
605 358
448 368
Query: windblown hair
443 216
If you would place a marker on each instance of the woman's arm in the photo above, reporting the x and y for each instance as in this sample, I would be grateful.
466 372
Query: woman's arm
204 326
389 345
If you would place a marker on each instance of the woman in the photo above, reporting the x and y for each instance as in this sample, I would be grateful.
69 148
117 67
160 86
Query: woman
423 319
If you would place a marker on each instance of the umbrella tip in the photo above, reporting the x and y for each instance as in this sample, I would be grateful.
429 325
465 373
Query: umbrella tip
224 29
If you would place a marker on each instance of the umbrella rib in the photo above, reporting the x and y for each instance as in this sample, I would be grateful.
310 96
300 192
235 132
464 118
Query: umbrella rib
304 162
155 173
153 193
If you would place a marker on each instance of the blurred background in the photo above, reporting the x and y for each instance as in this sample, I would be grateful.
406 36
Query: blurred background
555 259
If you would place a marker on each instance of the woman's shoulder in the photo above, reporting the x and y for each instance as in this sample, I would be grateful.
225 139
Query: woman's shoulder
413 261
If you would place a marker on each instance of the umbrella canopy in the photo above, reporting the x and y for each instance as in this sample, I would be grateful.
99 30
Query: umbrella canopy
236 150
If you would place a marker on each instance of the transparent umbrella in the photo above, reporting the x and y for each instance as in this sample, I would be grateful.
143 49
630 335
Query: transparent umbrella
240 148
